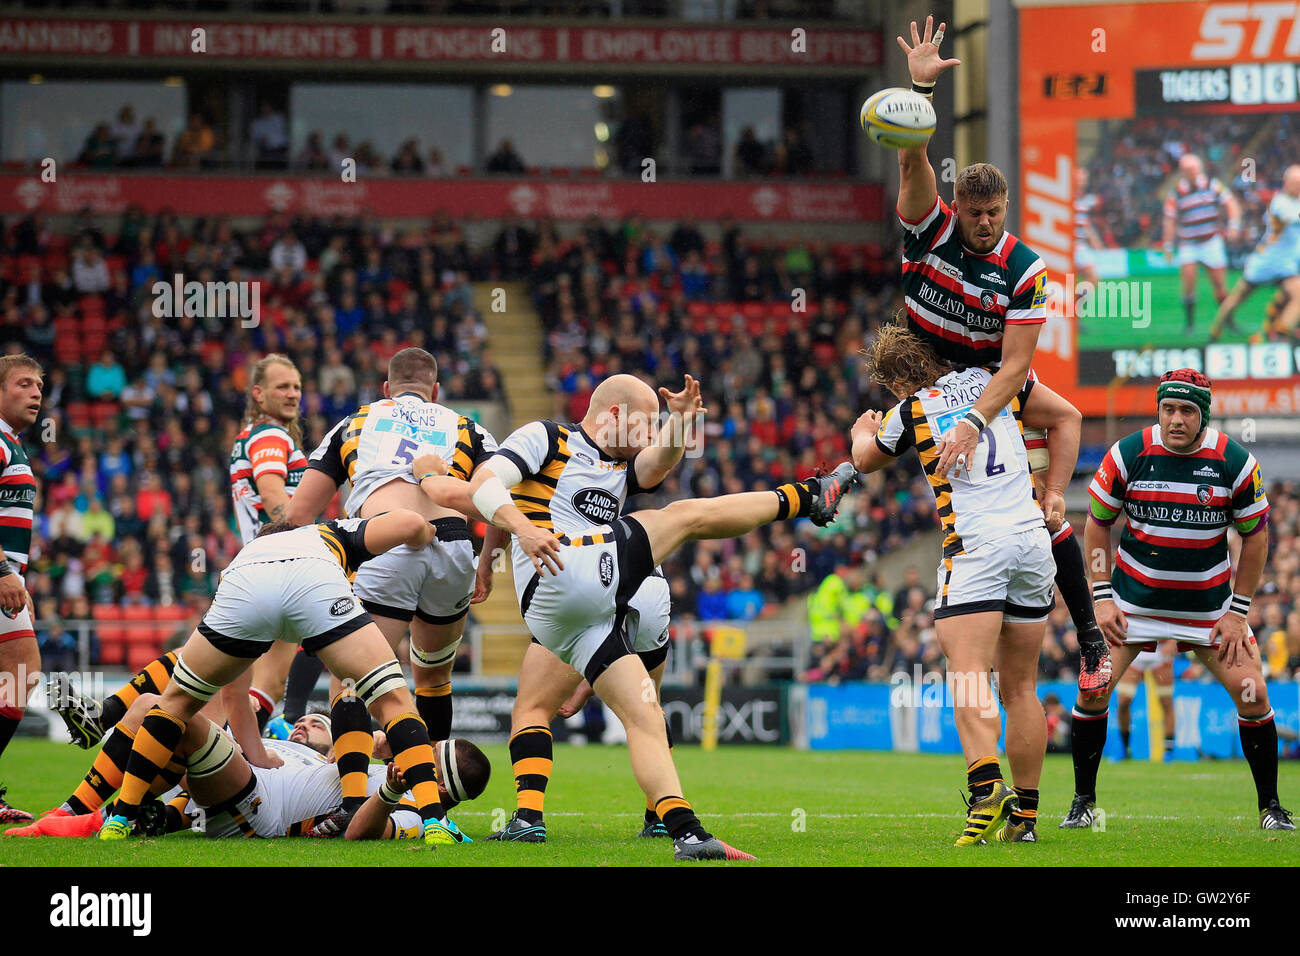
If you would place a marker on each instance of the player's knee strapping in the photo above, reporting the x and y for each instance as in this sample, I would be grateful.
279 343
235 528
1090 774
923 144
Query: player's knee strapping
384 679
155 744
353 746
532 757
212 756
437 658
192 683
413 755
105 774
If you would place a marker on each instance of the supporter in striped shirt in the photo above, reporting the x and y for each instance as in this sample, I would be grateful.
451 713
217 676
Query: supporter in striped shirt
20 658
1181 485
1192 213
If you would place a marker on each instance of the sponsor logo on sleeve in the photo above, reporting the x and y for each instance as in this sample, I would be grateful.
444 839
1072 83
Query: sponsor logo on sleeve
1040 291
342 606
606 569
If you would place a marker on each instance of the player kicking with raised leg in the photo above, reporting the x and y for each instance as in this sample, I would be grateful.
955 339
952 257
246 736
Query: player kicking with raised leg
995 579
1180 485
292 584
574 598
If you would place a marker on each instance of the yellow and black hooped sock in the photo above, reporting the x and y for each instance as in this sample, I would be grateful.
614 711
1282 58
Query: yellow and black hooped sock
155 746
413 755
793 500
982 775
152 679
105 774
679 818
177 818
353 746
1027 812
532 756
650 815
434 705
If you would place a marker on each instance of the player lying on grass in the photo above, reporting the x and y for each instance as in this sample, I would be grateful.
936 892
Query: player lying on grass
231 797
1180 486
574 598
995 580
293 584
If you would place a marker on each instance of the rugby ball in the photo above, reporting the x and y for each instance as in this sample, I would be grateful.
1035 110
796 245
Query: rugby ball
898 118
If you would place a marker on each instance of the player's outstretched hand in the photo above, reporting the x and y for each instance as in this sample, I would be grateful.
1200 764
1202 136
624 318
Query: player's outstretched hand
429 465
923 59
686 403
957 449
542 548
1235 637
396 781
1113 623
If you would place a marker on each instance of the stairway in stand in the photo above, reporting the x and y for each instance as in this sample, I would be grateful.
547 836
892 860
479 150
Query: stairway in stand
515 340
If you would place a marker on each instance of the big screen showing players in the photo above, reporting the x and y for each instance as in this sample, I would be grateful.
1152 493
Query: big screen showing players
1114 100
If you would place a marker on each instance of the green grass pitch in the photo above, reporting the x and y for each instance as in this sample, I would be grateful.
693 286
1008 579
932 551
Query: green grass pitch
786 807
1168 328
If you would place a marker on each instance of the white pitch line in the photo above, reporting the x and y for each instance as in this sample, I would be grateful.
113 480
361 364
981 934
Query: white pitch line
831 816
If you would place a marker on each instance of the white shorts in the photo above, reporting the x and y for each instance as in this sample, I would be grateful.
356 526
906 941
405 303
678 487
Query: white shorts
1266 269
434 583
1149 630
1147 661
1014 575
304 601
17 626
580 615
648 613
1211 253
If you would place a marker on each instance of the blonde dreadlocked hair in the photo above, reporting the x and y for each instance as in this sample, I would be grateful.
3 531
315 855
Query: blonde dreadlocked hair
902 361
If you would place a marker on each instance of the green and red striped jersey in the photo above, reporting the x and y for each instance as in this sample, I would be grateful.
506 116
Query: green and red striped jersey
262 448
17 498
1172 562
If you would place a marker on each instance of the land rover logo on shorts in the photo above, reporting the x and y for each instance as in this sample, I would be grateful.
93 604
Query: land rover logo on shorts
987 298
606 569
1204 493
597 504
342 606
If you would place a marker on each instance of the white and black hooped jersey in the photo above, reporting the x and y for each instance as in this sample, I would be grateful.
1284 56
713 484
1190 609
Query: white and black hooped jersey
378 443
995 496
341 540
569 484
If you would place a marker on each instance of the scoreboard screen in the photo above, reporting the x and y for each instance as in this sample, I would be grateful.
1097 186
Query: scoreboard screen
1108 110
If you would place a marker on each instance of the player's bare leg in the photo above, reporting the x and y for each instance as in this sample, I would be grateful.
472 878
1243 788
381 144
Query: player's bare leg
1125 691
1289 317
1219 283
1228 307
1187 279
365 662
545 682
201 672
1243 679
434 642
270 672
1088 740
1164 681
969 642
19 656
1016 664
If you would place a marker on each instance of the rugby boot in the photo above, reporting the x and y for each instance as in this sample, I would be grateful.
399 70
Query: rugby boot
827 490
520 831
983 816
1273 817
1080 816
692 847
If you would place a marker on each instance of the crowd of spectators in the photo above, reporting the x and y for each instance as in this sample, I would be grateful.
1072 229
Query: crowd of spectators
140 411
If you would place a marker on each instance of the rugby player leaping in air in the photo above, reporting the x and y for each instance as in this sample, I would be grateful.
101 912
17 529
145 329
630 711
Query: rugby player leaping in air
976 294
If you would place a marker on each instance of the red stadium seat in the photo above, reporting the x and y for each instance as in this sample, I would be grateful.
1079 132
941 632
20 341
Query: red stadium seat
112 644
78 412
137 612
104 413
591 172
138 655
464 171
698 310
106 612
561 171
753 310
143 634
